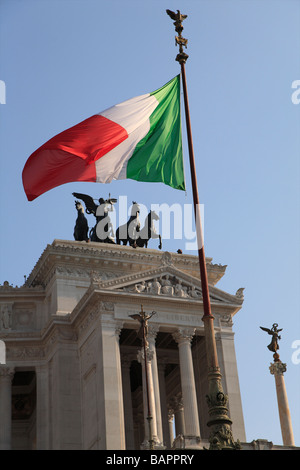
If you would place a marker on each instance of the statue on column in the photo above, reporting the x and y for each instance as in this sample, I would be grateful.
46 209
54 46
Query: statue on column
273 346
143 318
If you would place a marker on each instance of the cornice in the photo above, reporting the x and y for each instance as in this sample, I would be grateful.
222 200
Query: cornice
85 257
8 290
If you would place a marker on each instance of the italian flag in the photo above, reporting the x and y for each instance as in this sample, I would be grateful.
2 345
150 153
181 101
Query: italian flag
138 139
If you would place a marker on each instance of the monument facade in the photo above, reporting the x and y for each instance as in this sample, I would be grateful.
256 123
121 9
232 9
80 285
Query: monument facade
74 376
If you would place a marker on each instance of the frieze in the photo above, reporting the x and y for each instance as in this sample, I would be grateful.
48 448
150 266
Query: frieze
96 277
24 318
16 316
163 317
28 352
223 319
79 273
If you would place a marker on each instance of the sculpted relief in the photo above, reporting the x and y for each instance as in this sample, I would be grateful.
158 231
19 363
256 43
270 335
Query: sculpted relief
5 317
16 317
166 285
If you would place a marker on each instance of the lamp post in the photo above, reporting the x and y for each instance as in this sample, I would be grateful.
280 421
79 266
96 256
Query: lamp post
143 318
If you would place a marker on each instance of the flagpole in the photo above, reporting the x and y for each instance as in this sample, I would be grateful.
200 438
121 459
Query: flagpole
220 424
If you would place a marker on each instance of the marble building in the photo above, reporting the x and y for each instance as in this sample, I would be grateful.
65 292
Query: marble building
74 371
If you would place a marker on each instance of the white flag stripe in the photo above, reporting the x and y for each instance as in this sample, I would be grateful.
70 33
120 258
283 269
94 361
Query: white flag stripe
113 165
132 113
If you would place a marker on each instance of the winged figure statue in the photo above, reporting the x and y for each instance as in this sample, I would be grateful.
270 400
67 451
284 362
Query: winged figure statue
103 230
176 16
143 318
273 346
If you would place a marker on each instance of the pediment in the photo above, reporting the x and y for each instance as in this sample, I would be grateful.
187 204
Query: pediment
167 281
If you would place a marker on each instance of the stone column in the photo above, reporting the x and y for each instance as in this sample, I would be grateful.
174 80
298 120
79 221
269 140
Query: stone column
6 376
277 369
163 404
42 407
184 337
128 416
171 429
65 395
139 428
230 378
177 405
152 332
111 378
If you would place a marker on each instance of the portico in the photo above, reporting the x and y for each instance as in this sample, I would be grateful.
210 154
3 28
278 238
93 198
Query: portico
71 326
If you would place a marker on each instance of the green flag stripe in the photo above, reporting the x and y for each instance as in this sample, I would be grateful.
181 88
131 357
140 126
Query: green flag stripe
158 156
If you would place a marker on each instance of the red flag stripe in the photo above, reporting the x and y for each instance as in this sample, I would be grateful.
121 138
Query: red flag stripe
70 155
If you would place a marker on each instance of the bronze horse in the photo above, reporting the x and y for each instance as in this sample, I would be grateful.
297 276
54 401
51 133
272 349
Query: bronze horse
81 227
148 231
128 233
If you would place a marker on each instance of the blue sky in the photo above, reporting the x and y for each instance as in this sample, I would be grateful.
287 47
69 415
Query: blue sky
63 61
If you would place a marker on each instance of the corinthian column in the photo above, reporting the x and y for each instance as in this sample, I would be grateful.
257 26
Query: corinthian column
177 405
6 376
128 414
184 337
42 407
170 423
277 369
111 382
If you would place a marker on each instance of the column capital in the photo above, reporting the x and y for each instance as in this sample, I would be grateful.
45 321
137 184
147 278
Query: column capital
184 335
152 332
112 324
7 372
141 357
277 368
176 402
